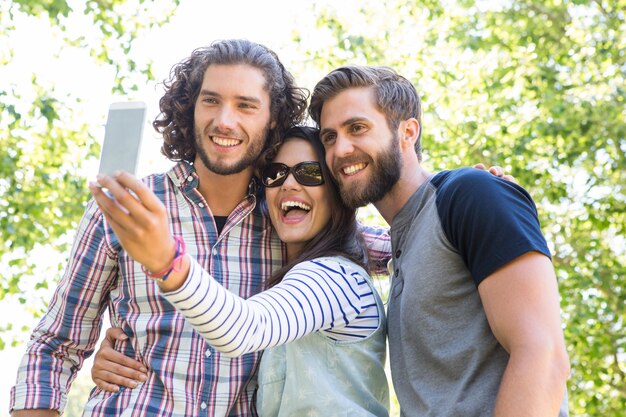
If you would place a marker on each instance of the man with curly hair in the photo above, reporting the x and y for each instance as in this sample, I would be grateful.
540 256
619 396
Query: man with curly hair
222 107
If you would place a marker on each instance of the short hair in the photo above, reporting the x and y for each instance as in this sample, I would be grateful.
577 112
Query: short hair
395 96
176 119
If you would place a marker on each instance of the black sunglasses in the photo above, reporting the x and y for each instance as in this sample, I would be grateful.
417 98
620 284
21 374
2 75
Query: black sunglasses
307 173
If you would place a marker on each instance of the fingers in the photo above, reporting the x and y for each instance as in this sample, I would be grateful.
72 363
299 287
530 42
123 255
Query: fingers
130 192
121 203
497 171
500 172
104 386
110 359
133 202
112 377
115 213
115 333
112 369
141 225
143 193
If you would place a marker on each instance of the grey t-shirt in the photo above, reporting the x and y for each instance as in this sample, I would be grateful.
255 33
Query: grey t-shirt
457 229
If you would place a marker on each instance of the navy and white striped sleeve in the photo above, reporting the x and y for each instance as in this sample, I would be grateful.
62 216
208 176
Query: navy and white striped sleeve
314 295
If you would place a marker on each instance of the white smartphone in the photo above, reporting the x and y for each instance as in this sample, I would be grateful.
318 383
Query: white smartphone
122 137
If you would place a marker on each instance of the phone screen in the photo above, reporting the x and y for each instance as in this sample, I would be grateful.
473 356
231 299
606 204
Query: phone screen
122 137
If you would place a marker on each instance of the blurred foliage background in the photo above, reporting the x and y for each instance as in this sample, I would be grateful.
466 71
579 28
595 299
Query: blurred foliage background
537 87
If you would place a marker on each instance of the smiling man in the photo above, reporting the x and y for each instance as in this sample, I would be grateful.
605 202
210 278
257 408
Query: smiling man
221 107
473 318
231 128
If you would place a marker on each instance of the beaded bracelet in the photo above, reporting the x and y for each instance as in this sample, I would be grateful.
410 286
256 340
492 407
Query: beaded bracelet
175 266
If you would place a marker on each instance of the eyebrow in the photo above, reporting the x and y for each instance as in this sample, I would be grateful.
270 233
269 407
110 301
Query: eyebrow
243 98
347 122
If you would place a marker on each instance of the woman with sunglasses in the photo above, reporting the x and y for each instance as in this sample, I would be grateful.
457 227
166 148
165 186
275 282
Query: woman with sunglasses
321 322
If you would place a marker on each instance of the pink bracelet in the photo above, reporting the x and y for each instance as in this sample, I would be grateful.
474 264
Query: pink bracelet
175 266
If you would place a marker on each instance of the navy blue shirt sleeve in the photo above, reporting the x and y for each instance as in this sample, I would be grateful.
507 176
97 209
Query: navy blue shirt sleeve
490 221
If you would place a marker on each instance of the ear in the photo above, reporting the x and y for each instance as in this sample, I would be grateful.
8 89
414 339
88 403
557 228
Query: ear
409 131
273 124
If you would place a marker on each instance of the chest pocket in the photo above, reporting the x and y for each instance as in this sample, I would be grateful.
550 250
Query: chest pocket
271 379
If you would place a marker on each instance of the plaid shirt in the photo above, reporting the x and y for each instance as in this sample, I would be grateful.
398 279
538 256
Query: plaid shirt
186 376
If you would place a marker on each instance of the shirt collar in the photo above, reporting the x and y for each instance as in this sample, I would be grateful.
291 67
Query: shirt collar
184 176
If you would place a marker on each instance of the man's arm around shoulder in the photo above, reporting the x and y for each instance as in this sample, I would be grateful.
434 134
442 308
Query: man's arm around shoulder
521 301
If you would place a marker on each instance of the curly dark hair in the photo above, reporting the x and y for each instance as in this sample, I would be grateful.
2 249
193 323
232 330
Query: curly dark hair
341 235
176 120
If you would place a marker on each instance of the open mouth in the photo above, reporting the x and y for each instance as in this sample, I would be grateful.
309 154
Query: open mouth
353 169
225 142
294 208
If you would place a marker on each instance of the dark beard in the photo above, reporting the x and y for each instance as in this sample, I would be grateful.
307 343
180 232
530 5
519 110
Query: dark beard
248 160
385 174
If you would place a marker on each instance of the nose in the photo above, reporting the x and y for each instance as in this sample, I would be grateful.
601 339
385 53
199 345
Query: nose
290 183
225 118
343 146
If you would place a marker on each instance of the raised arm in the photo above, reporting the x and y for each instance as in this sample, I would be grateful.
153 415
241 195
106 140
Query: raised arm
315 295
311 297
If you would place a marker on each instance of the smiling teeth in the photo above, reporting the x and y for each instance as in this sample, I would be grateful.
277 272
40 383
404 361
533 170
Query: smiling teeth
353 169
290 204
225 141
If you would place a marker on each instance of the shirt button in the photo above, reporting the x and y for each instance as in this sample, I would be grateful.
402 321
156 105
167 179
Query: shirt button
214 252
207 353
200 204
398 253
190 178
203 405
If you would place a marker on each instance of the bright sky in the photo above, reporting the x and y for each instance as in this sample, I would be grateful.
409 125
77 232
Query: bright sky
196 24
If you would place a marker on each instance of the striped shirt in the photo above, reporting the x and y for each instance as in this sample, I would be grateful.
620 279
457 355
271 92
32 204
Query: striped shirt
326 294
186 376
